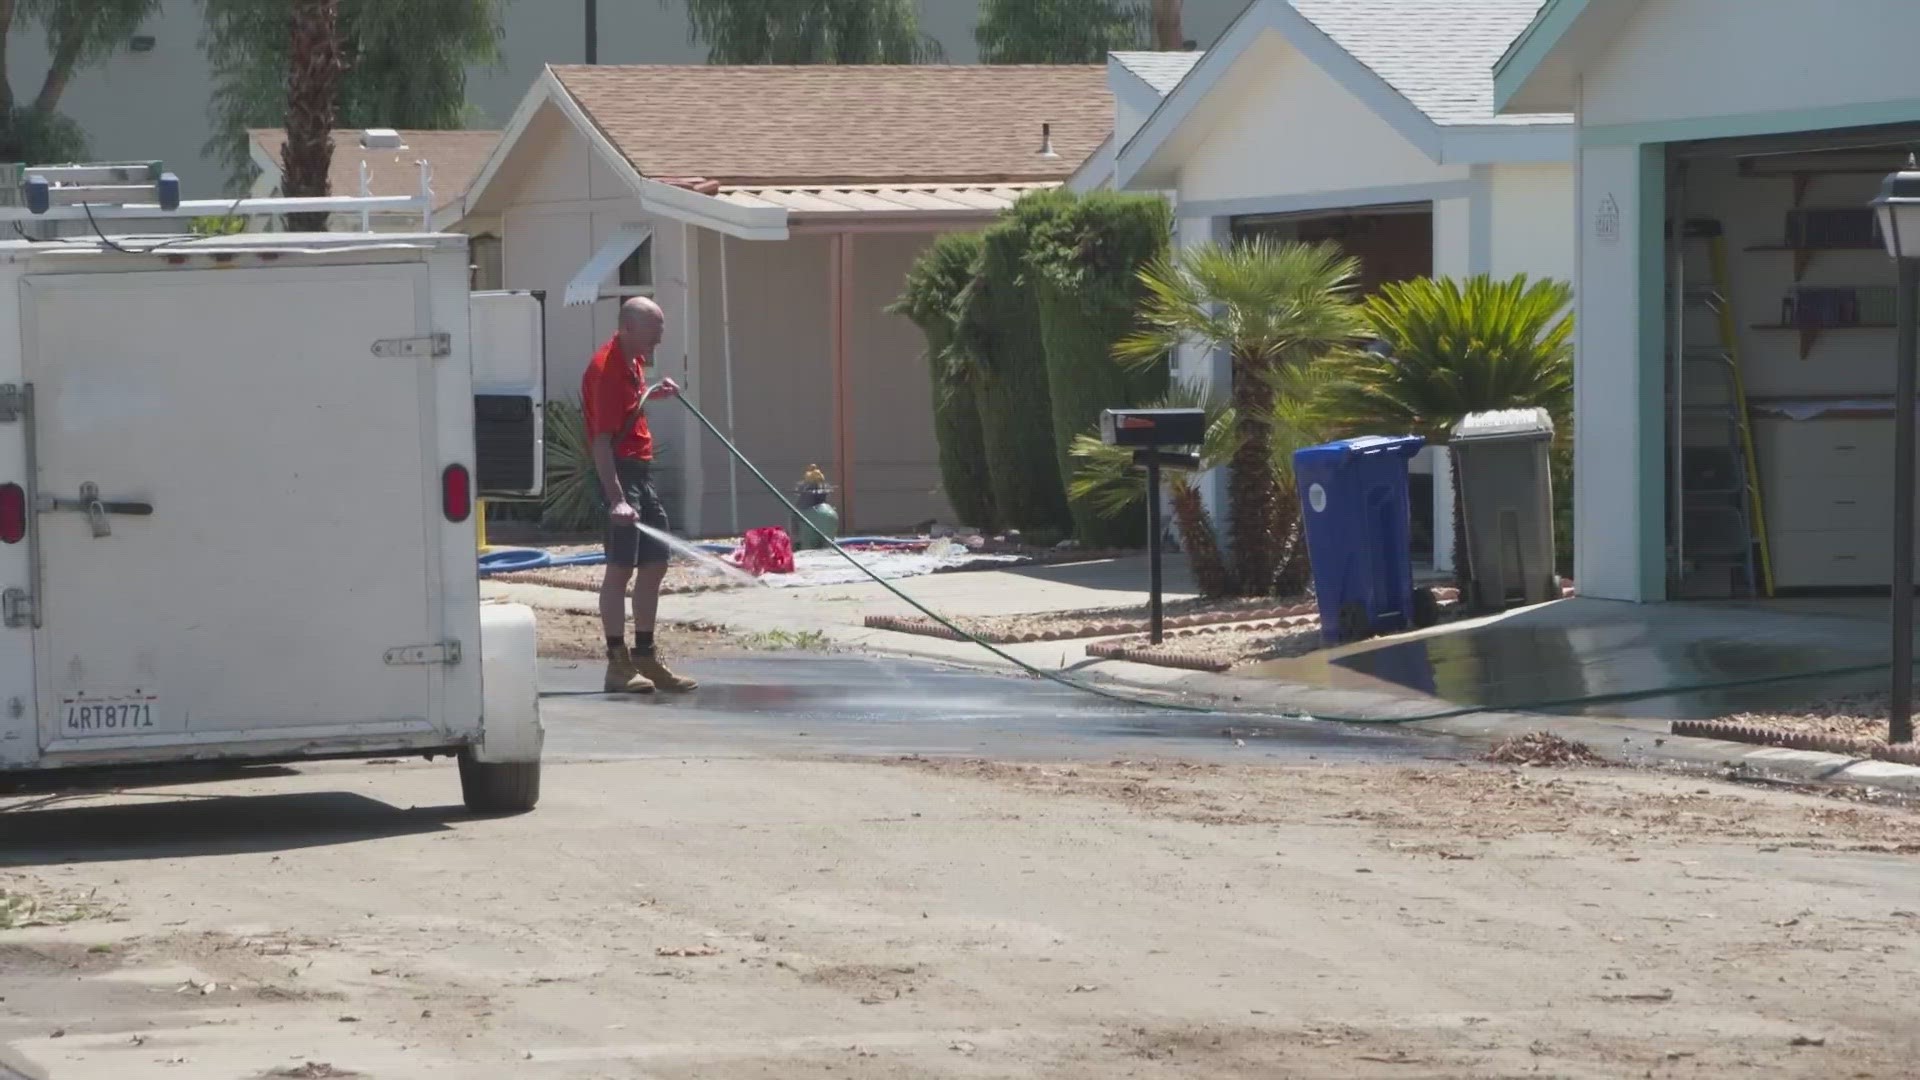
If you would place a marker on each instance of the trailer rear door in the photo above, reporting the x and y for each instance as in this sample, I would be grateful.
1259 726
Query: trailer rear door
238 497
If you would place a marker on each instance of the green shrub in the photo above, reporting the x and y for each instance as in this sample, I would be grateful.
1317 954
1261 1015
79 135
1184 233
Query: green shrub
570 502
998 322
933 288
1085 258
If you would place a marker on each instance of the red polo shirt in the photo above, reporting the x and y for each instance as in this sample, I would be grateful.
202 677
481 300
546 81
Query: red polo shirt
608 393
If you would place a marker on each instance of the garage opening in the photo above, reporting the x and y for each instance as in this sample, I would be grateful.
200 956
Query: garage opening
1780 364
1393 243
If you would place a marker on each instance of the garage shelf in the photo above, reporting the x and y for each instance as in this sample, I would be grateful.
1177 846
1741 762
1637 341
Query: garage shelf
1811 334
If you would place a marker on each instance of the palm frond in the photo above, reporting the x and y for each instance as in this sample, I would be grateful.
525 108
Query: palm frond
1454 350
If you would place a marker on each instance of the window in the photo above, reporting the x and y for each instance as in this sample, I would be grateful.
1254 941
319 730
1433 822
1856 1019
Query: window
635 277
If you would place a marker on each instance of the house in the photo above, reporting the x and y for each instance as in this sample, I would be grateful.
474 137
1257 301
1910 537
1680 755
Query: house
1139 82
150 97
1727 150
774 212
1369 123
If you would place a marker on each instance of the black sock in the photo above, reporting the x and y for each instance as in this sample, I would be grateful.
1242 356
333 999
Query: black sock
616 645
643 643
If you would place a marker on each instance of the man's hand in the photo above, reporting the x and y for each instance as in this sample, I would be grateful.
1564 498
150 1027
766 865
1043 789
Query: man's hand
624 515
665 388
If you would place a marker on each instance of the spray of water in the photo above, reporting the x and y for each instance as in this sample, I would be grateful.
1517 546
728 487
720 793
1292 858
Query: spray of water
706 560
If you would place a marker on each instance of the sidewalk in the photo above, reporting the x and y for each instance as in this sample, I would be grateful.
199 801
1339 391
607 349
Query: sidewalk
837 612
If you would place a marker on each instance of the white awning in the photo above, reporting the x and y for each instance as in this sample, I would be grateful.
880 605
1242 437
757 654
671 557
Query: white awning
887 201
585 286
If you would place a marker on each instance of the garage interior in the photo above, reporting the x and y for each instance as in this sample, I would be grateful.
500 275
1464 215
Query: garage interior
1780 365
1393 243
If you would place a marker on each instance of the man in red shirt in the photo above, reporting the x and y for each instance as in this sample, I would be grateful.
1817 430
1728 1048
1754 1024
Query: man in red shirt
622 448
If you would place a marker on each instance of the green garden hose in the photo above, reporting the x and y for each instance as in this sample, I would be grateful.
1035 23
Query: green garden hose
1541 705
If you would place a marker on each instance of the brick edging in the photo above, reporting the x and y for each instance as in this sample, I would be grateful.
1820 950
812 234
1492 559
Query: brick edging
1818 741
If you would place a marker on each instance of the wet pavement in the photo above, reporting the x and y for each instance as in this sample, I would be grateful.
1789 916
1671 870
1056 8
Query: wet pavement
1596 659
861 706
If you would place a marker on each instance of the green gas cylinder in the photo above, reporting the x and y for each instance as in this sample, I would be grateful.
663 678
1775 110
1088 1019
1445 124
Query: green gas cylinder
811 496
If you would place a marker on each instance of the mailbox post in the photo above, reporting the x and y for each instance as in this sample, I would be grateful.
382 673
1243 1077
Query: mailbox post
1153 433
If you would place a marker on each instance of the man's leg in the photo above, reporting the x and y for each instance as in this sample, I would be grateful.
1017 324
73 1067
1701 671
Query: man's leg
613 603
652 556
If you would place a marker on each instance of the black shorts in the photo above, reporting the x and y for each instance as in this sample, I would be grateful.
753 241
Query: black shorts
628 546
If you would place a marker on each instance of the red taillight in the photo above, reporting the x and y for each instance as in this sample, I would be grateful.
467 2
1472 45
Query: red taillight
456 493
13 513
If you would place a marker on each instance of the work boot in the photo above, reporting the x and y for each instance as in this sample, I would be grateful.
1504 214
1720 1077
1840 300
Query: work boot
654 673
623 676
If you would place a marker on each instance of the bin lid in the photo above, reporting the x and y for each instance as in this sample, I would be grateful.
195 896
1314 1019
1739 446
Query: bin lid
1337 452
1504 424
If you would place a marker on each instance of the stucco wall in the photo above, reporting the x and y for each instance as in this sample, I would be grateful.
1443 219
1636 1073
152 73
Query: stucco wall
1533 221
1289 128
1615 434
1701 58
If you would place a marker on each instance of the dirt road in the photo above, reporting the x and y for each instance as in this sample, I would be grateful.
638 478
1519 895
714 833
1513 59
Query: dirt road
911 918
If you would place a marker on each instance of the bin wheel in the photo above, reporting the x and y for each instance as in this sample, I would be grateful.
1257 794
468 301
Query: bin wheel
511 788
1426 608
1354 624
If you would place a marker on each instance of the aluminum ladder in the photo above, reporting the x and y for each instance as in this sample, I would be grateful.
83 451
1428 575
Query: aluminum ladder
1723 516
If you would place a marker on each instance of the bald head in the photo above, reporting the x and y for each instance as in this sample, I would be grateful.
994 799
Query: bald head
641 324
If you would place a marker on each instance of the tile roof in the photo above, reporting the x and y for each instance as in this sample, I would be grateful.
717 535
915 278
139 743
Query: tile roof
1439 54
1160 70
825 124
456 156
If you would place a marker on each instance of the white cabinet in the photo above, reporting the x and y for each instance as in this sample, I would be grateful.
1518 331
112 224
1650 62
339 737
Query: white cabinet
1827 487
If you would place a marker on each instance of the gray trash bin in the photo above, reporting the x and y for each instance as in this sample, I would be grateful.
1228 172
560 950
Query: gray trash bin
1501 462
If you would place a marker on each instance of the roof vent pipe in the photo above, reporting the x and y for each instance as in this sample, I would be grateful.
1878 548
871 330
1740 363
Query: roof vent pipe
1046 141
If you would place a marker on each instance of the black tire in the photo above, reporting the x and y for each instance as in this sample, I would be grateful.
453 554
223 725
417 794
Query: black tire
499 789
1426 609
1354 624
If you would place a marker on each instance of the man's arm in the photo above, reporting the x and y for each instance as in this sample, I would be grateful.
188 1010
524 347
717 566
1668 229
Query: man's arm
600 448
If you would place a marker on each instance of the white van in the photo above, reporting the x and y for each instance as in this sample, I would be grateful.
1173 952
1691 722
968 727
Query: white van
237 487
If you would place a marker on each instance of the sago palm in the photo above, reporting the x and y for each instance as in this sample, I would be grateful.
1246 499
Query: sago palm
1450 350
1271 306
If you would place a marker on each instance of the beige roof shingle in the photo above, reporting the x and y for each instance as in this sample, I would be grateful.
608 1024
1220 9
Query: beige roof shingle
456 156
826 124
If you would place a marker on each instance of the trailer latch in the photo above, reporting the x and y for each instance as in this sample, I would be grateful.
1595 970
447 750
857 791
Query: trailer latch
13 403
429 345
97 509
447 652
16 607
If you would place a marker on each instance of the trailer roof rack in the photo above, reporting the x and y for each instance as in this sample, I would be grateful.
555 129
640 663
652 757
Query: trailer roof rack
119 191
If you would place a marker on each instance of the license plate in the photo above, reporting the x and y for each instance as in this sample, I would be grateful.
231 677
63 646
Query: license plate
91 715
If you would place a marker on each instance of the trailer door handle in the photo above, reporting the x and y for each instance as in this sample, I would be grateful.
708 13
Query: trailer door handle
97 509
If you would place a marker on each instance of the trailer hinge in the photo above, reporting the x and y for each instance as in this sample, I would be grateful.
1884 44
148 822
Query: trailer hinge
447 652
13 403
429 345
16 607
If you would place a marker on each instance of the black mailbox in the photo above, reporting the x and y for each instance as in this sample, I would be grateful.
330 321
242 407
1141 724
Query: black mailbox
1153 427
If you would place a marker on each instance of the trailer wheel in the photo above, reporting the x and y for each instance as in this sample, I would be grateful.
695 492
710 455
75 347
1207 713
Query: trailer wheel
512 788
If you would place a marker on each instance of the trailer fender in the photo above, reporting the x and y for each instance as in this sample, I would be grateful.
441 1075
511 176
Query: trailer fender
510 730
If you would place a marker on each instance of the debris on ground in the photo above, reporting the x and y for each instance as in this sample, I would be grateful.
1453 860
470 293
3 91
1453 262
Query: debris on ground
312 1070
686 950
1541 749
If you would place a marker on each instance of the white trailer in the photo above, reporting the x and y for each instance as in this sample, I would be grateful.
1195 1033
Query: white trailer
237 479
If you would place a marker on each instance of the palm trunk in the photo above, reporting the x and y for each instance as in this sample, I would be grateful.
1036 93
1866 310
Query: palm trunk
313 81
1197 539
1167 33
1295 571
1252 490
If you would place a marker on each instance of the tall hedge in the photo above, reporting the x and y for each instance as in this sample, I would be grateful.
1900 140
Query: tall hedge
1085 255
999 327
930 300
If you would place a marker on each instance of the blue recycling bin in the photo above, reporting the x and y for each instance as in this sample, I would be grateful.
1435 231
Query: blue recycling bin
1353 495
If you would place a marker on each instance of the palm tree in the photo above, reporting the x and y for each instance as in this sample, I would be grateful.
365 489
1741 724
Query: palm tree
1448 350
1273 307
1106 481
313 81
811 32
1168 36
